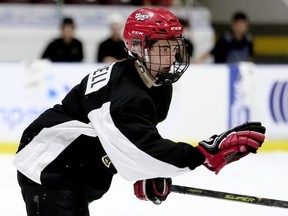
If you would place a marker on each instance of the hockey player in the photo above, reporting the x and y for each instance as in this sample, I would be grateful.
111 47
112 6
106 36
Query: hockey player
107 124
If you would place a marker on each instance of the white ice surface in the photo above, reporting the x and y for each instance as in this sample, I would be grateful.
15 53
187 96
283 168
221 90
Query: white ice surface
263 175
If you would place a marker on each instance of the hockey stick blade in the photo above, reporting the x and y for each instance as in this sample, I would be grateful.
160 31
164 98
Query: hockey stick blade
229 196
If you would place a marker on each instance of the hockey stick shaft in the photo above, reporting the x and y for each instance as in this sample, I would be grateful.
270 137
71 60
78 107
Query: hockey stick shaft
229 196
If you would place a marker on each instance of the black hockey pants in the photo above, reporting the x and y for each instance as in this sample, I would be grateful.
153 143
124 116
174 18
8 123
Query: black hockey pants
41 201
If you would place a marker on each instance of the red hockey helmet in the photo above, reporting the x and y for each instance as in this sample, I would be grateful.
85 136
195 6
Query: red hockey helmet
151 24
147 27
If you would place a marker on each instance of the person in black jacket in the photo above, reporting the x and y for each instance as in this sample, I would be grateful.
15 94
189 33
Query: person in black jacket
107 124
235 45
112 48
66 48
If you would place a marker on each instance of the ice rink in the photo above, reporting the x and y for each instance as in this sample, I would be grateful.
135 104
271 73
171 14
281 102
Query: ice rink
263 175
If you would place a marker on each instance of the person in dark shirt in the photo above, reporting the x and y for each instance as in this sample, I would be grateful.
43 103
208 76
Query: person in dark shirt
113 48
107 124
235 45
66 48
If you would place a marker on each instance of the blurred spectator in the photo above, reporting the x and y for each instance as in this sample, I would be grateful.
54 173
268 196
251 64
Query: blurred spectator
113 48
186 32
235 45
66 48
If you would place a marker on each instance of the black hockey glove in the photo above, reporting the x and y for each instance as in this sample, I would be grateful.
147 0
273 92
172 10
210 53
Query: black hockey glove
232 145
155 190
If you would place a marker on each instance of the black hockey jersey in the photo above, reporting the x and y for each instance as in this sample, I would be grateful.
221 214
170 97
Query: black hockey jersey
108 120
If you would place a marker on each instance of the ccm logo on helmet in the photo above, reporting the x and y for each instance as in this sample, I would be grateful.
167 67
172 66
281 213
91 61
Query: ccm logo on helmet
140 16
176 28
137 32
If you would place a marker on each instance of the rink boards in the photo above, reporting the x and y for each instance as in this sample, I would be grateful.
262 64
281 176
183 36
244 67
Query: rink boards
208 99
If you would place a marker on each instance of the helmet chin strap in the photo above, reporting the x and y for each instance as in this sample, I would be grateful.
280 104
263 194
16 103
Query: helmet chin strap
145 74
144 71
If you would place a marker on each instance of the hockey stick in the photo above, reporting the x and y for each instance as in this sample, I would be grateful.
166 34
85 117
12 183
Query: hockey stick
229 196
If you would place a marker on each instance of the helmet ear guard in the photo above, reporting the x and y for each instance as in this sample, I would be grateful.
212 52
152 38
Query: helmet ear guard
136 45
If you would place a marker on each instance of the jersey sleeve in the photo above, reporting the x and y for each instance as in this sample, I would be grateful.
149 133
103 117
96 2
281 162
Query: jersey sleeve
135 147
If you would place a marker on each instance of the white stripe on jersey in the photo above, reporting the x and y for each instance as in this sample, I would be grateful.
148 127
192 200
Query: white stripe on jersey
130 162
47 145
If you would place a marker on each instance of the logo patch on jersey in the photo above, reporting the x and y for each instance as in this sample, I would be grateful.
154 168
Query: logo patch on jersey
98 79
106 160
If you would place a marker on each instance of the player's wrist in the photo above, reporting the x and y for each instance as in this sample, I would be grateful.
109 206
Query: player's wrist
197 158
211 161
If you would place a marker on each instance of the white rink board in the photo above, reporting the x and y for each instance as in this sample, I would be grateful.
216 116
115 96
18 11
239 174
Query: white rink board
199 105
199 108
272 106
33 87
